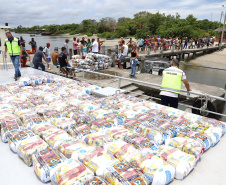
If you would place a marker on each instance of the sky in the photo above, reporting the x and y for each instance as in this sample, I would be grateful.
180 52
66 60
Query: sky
44 12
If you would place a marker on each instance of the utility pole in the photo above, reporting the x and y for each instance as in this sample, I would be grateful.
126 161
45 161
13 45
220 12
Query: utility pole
222 34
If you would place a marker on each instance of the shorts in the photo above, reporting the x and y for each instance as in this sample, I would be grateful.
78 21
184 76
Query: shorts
120 57
55 63
33 50
66 67
141 46
84 54
48 59
24 48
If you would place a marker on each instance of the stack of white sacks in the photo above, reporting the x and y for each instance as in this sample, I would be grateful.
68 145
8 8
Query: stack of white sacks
92 62
71 137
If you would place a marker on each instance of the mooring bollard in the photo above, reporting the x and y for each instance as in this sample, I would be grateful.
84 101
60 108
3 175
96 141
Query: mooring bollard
149 50
113 59
142 64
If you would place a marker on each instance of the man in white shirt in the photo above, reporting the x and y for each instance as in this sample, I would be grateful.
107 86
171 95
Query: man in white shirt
94 46
124 53
47 54
171 84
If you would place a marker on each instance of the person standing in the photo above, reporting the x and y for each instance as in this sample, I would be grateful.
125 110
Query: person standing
47 54
33 45
123 54
100 43
22 41
64 65
14 48
37 60
120 44
171 84
140 43
134 61
185 43
55 56
94 46
84 50
75 46
89 43
67 48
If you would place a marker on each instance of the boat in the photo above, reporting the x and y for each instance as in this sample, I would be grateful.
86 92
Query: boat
46 33
110 38
32 35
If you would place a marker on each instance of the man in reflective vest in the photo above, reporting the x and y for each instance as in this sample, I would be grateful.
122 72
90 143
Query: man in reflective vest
171 84
13 46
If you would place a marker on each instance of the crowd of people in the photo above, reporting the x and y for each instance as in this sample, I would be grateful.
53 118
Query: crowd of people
155 43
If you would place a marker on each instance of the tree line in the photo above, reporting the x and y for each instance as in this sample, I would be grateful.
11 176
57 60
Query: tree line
142 24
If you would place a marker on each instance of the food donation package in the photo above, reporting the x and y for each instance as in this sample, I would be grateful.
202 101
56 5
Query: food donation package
64 123
29 146
79 131
100 124
117 132
72 172
46 160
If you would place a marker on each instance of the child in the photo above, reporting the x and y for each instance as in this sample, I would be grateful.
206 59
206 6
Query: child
24 58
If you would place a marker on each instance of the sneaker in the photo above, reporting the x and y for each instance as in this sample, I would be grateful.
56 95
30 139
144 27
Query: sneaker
48 68
19 75
15 78
138 72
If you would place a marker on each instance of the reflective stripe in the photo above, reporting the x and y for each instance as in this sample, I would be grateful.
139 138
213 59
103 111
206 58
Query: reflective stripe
172 70
14 53
170 89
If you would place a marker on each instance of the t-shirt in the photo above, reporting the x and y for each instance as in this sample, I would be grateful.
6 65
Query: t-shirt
125 50
74 43
171 94
140 42
47 52
95 46
33 44
62 59
89 44
23 43
67 49
38 57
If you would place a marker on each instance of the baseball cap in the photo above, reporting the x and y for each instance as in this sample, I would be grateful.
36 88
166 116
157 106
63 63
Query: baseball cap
40 47
47 43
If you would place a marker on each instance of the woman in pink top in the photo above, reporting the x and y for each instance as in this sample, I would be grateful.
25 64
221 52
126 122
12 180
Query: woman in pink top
75 45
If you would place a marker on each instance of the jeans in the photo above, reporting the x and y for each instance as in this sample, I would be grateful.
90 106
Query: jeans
36 65
166 100
16 64
185 45
133 63
75 52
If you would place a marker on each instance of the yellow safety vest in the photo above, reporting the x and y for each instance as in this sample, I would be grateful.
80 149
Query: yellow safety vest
171 81
13 47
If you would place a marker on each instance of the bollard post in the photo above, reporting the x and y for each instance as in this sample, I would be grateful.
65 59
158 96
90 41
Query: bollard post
149 50
113 59
119 83
103 47
173 47
142 65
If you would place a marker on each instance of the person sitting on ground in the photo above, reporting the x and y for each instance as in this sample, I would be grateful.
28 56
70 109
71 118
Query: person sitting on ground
124 53
24 58
37 60
64 65
55 56
47 54
133 61
84 50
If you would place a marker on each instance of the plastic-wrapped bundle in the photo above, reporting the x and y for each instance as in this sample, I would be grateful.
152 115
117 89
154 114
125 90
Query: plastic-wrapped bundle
2 88
48 79
58 105
9 126
76 57
154 168
121 150
51 115
140 108
36 81
71 172
15 137
97 139
96 180
5 106
115 119
132 124
196 135
39 129
152 133
8 99
64 123
100 124
79 131
129 113
24 81
35 103
114 108
100 56
183 162
140 141
29 146
145 119
120 173
5 116
45 161
52 138
24 112
126 104
98 113
187 145
97 159
81 118
170 128
70 109
70 146
117 132
87 106
40 109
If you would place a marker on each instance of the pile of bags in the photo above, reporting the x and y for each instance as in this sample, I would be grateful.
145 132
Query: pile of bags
71 137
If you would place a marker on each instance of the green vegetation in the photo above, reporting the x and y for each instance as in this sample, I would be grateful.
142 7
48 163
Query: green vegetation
142 24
